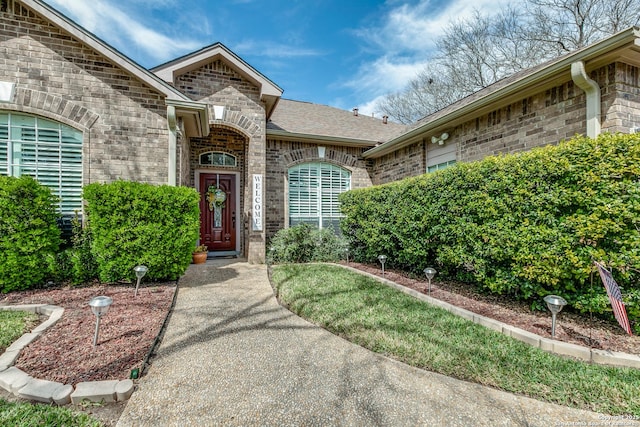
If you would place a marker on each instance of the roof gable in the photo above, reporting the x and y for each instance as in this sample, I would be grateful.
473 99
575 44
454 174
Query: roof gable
269 92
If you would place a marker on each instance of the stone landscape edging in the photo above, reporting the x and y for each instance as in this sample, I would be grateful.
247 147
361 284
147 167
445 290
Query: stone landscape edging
602 357
24 386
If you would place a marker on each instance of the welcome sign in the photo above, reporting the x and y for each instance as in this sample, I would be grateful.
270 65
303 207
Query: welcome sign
257 203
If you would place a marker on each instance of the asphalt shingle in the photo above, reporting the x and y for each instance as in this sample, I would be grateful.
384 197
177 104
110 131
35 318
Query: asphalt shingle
314 119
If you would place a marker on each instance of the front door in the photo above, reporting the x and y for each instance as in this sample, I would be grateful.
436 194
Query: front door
218 211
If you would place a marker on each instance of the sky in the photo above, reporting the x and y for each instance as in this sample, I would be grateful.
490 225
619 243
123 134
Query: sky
342 53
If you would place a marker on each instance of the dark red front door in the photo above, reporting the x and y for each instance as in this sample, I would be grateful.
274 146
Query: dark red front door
218 211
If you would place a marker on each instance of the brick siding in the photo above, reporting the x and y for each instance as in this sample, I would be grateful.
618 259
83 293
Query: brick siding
240 132
123 121
282 155
548 117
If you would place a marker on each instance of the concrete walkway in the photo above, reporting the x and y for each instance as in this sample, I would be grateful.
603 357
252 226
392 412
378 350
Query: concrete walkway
231 355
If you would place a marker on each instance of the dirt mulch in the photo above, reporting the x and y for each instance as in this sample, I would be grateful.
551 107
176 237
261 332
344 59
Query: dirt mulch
65 352
571 327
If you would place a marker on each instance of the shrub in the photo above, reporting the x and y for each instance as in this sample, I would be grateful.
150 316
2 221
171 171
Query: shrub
134 223
28 232
77 263
83 263
524 225
305 243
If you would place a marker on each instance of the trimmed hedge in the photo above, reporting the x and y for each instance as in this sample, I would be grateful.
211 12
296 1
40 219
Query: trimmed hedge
524 225
135 223
28 232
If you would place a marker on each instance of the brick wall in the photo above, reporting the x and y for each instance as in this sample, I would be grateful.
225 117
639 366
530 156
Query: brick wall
621 100
241 132
281 155
56 76
548 117
402 163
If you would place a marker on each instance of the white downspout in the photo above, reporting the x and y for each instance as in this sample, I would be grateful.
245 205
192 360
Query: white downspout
592 90
173 126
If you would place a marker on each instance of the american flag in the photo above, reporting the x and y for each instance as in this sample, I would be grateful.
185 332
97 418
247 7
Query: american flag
615 297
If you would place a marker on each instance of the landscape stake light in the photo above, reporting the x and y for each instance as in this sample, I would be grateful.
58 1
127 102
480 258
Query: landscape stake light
382 259
140 270
554 304
346 252
99 306
430 273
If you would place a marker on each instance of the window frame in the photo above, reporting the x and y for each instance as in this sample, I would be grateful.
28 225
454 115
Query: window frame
225 157
440 166
317 193
46 149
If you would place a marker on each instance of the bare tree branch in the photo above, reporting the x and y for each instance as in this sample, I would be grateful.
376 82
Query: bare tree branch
474 53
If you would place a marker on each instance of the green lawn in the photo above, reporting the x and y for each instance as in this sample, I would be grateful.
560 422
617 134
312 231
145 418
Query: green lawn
392 323
23 414
13 325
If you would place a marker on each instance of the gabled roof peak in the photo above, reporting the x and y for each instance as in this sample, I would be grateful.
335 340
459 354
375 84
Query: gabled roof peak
269 91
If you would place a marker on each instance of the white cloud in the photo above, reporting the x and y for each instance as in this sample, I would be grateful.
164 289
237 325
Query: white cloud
385 74
407 38
108 21
369 108
273 50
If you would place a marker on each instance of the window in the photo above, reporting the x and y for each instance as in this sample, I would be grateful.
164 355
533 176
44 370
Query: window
216 158
313 194
48 151
440 166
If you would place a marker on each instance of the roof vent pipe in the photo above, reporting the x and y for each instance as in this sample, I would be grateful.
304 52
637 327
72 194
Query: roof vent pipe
355 111
592 90
385 119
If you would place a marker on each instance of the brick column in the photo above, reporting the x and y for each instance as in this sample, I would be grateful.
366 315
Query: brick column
256 166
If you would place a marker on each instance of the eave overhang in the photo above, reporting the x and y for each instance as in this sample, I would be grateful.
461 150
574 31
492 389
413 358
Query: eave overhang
195 116
318 139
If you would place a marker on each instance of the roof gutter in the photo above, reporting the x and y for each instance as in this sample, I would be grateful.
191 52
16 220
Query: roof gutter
616 41
592 90
319 139
199 110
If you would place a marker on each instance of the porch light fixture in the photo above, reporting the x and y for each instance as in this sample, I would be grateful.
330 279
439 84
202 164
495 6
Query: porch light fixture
140 270
440 139
554 304
430 273
99 307
382 259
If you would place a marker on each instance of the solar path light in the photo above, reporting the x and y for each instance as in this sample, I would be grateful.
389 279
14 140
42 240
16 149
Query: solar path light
554 304
382 259
99 306
140 270
430 273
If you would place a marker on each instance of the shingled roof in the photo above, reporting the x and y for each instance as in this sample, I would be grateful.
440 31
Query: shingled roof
304 120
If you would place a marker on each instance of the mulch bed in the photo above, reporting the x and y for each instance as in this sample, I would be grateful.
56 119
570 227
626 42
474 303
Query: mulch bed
571 327
65 352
